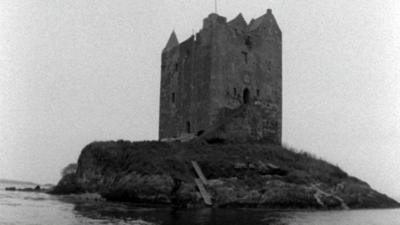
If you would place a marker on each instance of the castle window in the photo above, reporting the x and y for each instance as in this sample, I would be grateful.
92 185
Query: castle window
258 92
234 91
173 97
246 96
236 31
248 42
176 66
245 57
188 126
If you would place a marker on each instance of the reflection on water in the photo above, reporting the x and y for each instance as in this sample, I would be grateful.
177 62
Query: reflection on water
167 216
36 208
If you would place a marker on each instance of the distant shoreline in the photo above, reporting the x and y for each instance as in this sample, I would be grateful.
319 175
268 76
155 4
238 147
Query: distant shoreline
18 182
24 186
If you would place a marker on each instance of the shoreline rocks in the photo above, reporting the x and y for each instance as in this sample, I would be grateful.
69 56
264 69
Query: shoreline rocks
239 175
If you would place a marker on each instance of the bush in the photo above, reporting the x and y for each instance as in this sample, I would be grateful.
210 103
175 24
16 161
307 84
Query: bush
67 185
70 169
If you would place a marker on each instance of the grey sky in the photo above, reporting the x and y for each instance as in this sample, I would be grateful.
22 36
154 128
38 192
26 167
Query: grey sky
75 71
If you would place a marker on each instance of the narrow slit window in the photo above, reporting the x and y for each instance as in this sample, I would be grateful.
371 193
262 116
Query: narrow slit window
173 97
188 130
246 96
248 42
245 57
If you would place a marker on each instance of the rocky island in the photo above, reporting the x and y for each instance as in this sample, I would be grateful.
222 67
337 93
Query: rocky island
220 134
237 175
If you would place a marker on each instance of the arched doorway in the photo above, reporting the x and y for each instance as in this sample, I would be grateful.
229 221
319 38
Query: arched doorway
246 96
188 126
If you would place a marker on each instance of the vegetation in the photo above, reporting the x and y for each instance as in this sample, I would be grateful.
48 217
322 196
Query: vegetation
217 160
68 183
69 169
249 174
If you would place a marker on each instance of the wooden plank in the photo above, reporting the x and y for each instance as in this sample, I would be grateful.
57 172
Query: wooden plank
206 196
199 172
272 166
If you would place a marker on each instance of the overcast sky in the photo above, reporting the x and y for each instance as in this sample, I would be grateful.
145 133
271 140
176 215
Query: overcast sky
75 71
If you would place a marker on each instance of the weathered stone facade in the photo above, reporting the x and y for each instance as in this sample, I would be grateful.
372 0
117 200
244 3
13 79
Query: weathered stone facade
223 66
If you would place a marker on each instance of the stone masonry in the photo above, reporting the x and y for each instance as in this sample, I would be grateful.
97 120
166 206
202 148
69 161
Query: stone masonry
224 66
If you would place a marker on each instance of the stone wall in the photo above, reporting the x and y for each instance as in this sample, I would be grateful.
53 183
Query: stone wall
225 65
185 82
248 123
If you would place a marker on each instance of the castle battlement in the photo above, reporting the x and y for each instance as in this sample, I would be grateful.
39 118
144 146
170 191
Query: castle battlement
225 65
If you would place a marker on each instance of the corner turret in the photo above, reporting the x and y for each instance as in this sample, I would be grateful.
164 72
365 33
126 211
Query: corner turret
172 42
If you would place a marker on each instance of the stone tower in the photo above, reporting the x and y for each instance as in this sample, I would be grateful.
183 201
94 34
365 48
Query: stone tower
225 68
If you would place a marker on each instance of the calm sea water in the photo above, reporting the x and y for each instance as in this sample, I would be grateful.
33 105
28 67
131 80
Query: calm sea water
21 208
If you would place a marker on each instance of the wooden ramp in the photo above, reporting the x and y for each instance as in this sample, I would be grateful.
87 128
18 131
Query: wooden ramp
206 196
199 172
200 182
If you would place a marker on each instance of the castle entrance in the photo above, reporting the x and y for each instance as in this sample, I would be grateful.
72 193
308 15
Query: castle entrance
246 96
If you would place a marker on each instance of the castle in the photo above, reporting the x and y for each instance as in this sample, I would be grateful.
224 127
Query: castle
225 81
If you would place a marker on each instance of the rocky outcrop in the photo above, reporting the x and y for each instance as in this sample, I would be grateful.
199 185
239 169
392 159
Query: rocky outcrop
68 185
239 175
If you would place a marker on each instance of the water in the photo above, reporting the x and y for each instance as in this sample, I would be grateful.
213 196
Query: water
24 208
